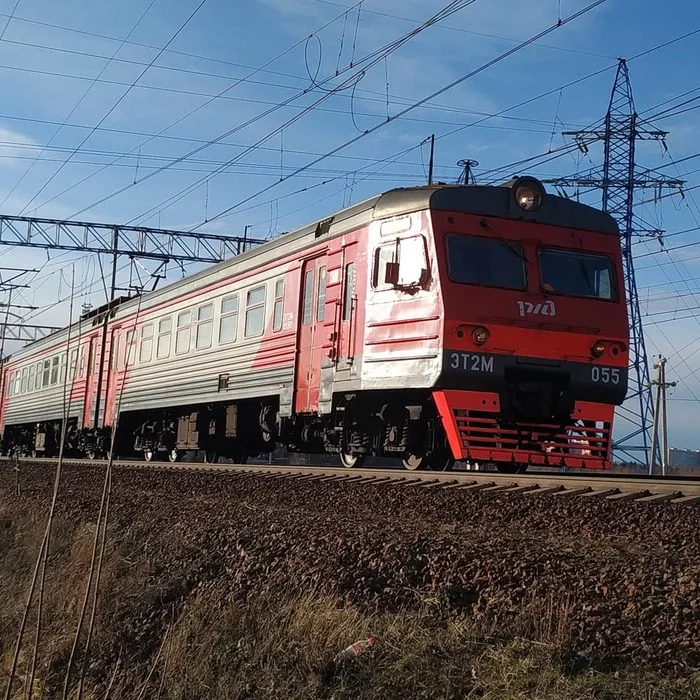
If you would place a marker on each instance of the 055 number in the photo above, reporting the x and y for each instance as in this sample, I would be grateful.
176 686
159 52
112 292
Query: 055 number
605 375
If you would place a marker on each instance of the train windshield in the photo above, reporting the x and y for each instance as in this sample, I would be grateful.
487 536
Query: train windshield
577 274
489 262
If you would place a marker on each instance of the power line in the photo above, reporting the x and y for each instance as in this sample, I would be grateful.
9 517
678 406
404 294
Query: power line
369 59
417 104
119 101
381 99
77 104
259 169
366 63
468 31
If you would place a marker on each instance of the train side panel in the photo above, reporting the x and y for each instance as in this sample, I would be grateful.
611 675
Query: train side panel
404 310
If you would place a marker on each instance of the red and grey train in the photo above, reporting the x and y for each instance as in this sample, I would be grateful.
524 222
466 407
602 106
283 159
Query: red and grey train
485 324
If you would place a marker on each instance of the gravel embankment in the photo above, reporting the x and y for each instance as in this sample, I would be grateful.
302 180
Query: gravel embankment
627 574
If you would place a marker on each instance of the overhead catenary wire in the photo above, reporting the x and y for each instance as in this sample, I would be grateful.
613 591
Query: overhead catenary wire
10 17
588 76
578 80
77 104
368 95
418 103
189 114
367 62
179 30
376 166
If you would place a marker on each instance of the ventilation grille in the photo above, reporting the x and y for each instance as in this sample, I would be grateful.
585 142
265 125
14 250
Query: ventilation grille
479 431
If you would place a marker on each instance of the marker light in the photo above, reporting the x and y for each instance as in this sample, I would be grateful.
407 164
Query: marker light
598 349
480 336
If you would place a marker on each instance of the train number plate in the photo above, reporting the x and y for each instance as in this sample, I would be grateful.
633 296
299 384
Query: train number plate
605 375
470 362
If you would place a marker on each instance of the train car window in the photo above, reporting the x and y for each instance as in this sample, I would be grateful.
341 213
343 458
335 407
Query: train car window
46 373
279 306
228 323
74 362
321 299
577 274
30 381
18 381
413 262
113 352
10 384
349 291
146 348
23 382
37 380
487 262
183 332
308 297
62 371
382 257
130 349
205 327
165 331
54 370
255 312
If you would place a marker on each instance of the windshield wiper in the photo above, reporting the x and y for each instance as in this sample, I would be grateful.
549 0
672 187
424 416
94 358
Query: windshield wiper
586 276
509 246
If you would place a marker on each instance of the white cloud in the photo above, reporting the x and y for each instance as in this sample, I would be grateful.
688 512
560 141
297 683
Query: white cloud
14 144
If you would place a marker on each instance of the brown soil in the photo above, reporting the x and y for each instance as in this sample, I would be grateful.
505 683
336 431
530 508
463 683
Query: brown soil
246 587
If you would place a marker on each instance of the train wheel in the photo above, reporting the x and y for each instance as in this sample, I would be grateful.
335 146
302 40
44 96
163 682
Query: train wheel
211 456
148 455
511 468
349 460
239 457
173 455
441 461
413 462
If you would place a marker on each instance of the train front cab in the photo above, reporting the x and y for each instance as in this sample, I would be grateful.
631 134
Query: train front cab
535 335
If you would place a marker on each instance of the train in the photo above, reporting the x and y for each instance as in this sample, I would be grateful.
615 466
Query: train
482 324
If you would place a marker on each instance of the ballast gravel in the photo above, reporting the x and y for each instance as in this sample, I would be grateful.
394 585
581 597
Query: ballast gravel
626 574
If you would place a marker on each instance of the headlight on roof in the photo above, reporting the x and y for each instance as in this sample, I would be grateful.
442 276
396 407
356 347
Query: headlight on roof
528 193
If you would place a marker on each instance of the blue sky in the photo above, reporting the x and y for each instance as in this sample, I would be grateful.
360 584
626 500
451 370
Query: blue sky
67 68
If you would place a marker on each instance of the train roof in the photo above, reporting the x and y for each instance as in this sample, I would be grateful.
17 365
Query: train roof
483 200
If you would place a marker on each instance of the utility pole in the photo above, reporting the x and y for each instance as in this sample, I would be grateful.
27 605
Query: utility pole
620 131
432 159
660 415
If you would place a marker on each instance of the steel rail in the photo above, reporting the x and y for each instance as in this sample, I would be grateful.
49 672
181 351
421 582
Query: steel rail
641 489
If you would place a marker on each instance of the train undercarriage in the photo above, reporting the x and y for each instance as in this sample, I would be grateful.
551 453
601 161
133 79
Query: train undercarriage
406 428
402 425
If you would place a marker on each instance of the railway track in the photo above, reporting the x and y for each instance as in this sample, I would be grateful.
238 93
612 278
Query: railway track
642 489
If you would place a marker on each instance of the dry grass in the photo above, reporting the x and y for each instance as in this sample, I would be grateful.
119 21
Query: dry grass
206 644
277 648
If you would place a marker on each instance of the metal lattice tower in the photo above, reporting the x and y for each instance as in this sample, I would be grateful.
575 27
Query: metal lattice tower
620 131
618 201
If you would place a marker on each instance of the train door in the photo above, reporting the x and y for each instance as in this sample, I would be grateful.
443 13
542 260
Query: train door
311 336
347 336
89 383
112 369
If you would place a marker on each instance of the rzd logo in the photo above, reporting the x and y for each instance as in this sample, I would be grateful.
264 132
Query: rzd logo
547 309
